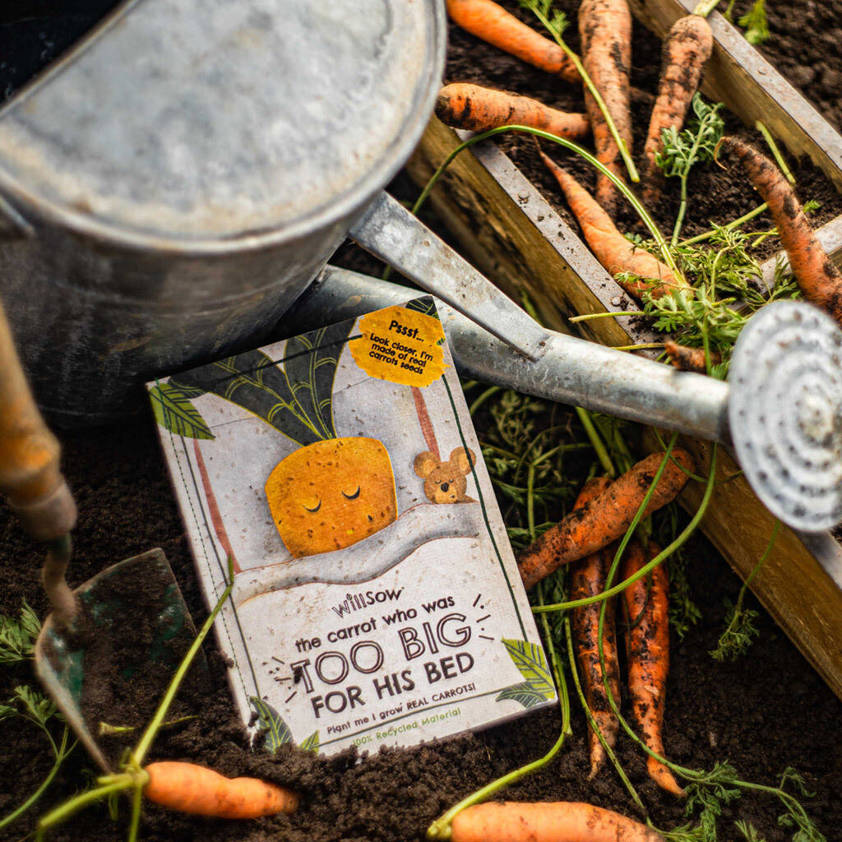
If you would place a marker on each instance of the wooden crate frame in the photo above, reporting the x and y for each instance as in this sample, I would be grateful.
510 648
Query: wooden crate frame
509 230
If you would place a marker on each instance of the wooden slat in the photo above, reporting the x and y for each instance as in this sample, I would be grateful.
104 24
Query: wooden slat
515 237
741 78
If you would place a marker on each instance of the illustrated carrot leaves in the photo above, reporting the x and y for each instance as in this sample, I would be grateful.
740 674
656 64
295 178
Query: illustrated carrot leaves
529 659
276 731
175 412
311 743
310 367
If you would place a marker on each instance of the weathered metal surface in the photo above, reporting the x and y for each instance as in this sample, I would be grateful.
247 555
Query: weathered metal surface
572 370
786 412
207 120
187 170
392 233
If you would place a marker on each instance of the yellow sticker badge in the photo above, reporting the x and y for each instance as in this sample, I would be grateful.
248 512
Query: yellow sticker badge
401 346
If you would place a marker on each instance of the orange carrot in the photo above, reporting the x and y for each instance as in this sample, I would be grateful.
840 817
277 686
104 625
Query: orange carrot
647 650
604 518
819 279
550 821
689 359
686 50
605 30
609 246
478 109
197 789
587 578
496 26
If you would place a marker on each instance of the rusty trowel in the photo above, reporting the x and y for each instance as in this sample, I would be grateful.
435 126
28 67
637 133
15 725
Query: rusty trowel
86 656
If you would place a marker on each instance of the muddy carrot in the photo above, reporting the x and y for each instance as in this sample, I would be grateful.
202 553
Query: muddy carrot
647 652
550 821
496 26
472 107
609 246
686 50
604 518
587 578
605 31
689 359
819 279
196 789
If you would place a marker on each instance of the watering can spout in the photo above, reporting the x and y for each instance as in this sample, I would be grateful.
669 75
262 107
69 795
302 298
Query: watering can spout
783 428
391 233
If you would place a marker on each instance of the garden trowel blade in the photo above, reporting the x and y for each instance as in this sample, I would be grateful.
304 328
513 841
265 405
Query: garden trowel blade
114 663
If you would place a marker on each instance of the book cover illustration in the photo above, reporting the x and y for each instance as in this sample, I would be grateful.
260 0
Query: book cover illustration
376 598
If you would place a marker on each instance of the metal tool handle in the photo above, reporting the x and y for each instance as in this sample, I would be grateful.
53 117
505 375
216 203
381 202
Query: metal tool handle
390 232
30 475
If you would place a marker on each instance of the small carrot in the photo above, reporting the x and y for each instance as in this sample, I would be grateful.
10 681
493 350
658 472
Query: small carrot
605 31
687 48
587 578
549 821
819 279
647 650
493 24
197 789
606 517
472 107
610 247
689 359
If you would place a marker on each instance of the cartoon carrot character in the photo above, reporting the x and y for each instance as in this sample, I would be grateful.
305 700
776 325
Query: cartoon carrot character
494 25
609 246
605 30
332 491
819 279
647 649
687 48
587 578
475 108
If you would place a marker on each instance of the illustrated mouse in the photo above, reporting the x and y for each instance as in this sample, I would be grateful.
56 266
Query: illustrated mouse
445 482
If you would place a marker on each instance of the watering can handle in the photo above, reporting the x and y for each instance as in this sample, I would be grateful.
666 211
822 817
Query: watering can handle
29 453
390 232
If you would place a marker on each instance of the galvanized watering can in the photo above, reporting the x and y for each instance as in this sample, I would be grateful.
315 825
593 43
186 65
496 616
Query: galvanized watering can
174 184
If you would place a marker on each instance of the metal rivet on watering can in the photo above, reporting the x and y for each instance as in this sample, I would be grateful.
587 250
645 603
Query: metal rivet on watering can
785 411
186 171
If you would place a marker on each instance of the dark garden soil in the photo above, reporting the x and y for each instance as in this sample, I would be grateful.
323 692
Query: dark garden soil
764 713
715 194
805 45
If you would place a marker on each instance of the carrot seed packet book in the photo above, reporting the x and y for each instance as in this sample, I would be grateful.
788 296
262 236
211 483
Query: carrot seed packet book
376 598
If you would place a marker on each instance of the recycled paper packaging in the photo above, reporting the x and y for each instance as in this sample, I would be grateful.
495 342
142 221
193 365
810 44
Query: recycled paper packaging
376 599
